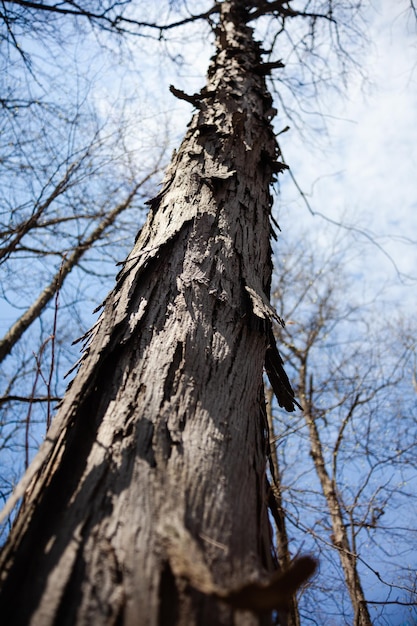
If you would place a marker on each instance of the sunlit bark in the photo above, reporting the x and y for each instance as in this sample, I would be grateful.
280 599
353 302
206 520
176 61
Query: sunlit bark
159 446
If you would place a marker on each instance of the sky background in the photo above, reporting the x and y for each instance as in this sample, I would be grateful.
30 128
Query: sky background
364 171
359 169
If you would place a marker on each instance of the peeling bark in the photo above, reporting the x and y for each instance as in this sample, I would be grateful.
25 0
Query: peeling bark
162 427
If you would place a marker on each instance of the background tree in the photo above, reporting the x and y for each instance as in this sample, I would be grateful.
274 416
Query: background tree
346 463
74 178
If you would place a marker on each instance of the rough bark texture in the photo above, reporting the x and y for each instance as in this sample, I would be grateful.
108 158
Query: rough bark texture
159 447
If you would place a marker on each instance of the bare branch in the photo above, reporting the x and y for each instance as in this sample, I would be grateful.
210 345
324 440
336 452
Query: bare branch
20 326
117 22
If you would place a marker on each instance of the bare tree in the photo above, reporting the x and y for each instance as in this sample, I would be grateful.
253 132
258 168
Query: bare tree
148 501
277 507
16 331
352 379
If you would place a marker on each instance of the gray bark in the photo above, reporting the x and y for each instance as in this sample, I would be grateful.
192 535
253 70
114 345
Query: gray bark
159 448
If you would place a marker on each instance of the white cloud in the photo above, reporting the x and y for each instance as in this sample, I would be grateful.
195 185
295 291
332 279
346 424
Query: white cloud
368 170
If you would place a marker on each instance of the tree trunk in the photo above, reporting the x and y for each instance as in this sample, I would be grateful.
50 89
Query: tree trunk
158 450
340 538
278 511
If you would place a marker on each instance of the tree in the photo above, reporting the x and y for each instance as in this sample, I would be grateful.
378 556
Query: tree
344 467
16 331
278 509
149 500
74 176
60 215
159 447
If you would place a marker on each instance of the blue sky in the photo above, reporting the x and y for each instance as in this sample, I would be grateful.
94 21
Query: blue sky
364 171
361 172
